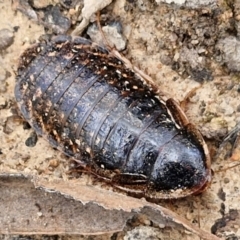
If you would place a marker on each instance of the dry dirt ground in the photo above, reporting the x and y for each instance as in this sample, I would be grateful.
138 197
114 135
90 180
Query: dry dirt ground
180 47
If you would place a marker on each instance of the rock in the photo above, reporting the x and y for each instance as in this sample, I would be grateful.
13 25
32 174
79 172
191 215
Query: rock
230 48
6 38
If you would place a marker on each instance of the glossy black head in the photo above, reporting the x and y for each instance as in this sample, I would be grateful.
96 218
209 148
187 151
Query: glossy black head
181 164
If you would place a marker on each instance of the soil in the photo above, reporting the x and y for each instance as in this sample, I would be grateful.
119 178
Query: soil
181 48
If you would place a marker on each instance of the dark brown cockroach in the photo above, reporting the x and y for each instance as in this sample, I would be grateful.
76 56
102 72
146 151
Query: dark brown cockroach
87 103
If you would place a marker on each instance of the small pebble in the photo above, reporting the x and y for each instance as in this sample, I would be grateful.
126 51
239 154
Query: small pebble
112 34
230 48
42 4
32 140
9 125
162 225
39 214
6 38
54 18
238 108
226 180
3 77
225 108
53 163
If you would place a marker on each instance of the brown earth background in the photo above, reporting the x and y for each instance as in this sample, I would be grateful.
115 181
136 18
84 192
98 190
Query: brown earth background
181 46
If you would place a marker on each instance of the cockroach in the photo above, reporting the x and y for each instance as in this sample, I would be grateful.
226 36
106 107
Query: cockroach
86 102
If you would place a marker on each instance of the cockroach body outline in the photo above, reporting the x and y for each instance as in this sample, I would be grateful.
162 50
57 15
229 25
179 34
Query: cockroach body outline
86 102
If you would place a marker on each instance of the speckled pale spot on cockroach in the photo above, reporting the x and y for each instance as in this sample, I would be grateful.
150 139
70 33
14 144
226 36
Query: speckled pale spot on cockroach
88 149
70 142
160 100
97 141
63 135
37 94
69 56
52 54
66 147
168 121
78 142
31 78
74 50
55 133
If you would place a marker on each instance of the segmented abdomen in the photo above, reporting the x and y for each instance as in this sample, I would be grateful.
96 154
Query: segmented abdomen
88 104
